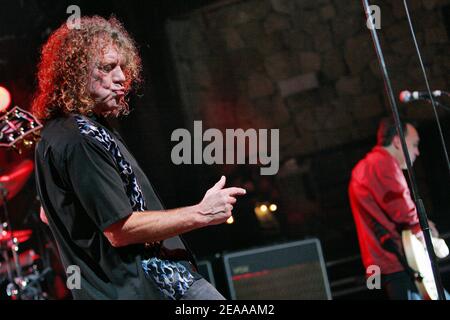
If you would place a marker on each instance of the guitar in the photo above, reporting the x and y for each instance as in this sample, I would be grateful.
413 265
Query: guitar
18 129
417 258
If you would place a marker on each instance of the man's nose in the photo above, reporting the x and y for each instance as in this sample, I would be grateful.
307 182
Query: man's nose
119 75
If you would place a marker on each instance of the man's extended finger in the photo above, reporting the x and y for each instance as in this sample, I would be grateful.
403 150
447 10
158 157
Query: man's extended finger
220 184
235 191
232 200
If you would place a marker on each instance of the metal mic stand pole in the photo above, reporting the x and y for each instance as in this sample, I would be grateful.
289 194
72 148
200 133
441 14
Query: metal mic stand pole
419 203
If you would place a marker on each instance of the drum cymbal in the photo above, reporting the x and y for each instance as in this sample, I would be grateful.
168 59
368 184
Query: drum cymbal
13 180
20 235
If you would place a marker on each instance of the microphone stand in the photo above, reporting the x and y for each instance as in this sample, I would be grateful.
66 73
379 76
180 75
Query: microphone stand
417 199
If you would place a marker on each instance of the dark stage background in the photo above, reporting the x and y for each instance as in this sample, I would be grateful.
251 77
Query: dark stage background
229 63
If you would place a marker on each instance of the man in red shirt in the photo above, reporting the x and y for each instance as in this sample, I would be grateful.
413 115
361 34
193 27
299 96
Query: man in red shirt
382 207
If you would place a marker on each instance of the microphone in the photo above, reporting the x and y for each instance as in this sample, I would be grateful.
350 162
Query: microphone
408 96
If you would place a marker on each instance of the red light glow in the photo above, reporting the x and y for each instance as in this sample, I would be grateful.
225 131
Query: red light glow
5 99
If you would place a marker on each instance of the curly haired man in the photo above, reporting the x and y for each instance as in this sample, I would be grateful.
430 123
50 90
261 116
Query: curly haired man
101 208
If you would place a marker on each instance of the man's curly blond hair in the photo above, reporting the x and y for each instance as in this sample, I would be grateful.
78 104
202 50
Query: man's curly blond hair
66 60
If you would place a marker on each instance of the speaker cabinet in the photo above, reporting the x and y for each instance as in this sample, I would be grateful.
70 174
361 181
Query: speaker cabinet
290 271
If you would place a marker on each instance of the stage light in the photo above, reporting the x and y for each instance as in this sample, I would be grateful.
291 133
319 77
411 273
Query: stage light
5 99
273 207
261 210
230 220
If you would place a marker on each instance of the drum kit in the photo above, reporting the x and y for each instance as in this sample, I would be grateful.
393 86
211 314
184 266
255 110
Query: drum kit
20 269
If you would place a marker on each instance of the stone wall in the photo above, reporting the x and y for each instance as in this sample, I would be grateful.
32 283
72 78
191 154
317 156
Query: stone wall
306 67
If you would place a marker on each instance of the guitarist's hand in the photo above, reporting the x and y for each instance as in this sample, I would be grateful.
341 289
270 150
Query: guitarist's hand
440 247
217 203
434 232
419 235
433 229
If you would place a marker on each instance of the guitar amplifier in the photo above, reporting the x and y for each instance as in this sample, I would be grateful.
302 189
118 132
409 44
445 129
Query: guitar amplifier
291 271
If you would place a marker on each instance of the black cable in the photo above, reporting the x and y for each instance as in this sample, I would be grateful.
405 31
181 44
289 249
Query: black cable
430 97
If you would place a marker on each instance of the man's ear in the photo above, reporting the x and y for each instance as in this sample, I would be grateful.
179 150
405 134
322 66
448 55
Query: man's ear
396 142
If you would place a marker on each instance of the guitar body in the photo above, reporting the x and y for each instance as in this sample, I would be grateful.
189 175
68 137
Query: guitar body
418 260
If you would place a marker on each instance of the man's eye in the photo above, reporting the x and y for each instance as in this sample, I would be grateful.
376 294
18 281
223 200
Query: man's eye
107 68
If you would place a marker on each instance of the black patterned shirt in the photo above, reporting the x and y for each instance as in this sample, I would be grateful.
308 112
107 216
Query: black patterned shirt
88 180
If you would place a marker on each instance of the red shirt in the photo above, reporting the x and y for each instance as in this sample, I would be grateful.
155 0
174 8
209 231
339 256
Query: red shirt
382 207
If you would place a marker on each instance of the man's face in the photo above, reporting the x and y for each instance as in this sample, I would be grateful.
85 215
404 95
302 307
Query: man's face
412 143
106 82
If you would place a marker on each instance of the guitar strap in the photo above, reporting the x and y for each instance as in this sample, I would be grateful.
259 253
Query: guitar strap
389 245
